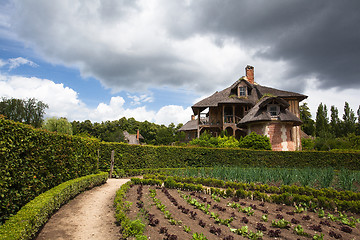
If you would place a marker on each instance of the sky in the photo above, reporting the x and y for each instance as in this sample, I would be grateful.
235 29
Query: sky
153 59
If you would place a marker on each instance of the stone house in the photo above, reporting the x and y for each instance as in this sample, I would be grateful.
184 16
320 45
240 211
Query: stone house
246 107
134 139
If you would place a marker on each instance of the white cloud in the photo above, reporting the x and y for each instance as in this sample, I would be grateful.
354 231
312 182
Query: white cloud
2 63
139 99
329 97
16 62
173 114
13 63
64 102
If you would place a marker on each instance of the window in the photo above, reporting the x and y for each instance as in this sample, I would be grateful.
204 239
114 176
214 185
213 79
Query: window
242 91
273 110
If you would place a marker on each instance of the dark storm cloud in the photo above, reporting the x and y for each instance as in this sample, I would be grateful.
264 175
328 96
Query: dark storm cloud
135 72
314 38
317 38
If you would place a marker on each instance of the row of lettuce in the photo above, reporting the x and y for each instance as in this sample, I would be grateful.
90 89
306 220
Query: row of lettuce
34 161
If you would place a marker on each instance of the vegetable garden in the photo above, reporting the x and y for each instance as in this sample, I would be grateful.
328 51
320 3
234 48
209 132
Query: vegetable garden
167 207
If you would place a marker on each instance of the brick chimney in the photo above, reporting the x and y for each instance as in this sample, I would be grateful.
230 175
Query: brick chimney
192 117
250 73
138 136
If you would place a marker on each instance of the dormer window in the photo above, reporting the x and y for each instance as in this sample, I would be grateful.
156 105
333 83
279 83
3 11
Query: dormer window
274 110
242 91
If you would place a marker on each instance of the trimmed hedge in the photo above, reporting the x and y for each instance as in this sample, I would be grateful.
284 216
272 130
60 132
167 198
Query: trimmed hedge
129 228
34 161
26 223
140 157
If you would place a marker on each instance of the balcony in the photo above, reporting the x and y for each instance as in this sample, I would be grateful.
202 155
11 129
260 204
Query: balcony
232 119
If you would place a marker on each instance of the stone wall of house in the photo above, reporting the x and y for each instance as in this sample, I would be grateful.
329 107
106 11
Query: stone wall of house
280 134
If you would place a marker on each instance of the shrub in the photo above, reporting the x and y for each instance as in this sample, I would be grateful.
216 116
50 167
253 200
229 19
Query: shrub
27 222
255 141
307 144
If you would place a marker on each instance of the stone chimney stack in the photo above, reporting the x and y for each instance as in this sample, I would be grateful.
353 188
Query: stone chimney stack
192 117
250 73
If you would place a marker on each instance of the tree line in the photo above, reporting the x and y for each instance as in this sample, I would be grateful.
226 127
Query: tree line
32 111
112 131
329 130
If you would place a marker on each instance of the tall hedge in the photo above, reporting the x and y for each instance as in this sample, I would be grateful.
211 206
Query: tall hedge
34 161
134 156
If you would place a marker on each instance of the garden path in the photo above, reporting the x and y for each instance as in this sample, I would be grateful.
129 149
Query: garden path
90 215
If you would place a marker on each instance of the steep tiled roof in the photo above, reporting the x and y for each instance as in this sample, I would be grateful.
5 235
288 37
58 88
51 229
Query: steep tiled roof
257 91
190 125
279 93
259 112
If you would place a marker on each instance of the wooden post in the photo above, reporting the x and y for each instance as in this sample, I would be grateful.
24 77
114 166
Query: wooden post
112 163
98 158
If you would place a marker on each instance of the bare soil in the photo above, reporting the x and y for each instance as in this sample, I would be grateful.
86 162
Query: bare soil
90 215
307 219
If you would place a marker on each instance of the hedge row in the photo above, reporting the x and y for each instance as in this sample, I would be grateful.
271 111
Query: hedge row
27 222
34 161
129 228
140 157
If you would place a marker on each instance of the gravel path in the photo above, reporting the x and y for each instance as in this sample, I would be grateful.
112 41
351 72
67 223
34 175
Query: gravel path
88 216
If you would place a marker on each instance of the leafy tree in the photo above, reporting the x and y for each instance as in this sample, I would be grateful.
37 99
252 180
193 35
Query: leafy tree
179 136
164 136
28 111
321 125
308 125
60 125
348 120
357 132
335 122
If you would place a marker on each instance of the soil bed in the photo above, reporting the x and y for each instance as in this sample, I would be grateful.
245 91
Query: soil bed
195 220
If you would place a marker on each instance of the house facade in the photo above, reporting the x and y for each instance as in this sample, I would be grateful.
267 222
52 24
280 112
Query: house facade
246 107
133 139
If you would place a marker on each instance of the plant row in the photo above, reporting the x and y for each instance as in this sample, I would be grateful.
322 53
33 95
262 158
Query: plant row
129 227
262 188
284 194
314 177
27 222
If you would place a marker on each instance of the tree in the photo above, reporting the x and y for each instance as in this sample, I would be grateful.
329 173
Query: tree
164 136
321 125
308 125
60 125
335 122
28 111
357 132
348 120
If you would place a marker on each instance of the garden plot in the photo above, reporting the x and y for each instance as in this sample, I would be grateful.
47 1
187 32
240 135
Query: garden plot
178 214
